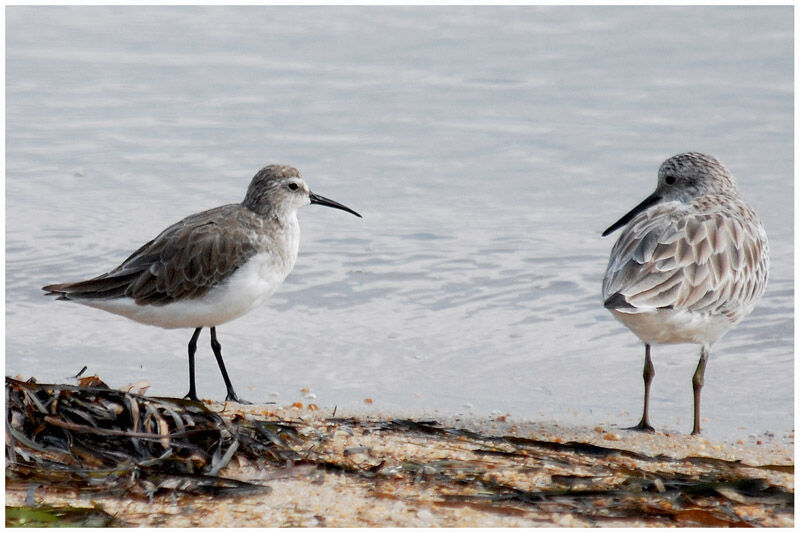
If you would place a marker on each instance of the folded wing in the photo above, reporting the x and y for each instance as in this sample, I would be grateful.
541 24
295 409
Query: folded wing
184 261
671 257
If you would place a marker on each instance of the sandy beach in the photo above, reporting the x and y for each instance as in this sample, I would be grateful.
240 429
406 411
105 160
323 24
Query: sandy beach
304 466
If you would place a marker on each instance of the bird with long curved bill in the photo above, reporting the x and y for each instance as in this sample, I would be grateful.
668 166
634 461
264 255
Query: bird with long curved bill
210 267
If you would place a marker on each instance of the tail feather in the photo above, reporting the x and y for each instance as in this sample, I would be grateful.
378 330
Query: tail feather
102 287
617 301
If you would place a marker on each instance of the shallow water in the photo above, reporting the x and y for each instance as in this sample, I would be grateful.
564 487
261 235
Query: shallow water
487 148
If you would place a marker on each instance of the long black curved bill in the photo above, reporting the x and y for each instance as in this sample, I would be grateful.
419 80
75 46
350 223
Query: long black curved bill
321 200
647 202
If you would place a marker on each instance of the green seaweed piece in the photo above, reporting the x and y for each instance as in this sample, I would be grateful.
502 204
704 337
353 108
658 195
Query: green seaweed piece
49 516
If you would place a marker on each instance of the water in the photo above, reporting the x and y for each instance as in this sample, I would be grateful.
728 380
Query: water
487 148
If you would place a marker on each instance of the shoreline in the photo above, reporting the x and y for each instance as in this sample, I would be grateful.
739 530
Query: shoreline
381 470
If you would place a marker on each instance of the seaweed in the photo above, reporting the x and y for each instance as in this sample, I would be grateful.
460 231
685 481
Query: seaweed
97 441
613 483
102 440
49 516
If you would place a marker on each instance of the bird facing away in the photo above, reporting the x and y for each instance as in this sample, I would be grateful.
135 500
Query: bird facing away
211 267
692 261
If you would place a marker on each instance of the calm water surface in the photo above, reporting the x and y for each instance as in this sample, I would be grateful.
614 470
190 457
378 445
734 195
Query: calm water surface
487 148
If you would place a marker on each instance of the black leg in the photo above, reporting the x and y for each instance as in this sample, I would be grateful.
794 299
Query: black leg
192 395
697 385
217 347
649 372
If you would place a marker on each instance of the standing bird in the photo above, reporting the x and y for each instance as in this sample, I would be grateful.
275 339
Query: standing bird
210 267
692 261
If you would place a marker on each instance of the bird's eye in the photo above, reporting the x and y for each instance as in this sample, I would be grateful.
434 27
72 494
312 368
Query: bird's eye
669 180
293 186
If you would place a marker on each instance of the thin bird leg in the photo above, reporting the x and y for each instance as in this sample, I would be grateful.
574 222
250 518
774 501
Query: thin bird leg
217 347
697 385
649 372
192 395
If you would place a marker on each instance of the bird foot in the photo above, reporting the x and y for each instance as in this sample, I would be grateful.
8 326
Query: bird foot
231 397
642 426
191 396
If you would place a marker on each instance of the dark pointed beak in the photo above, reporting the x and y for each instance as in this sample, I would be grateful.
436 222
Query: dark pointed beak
647 202
321 200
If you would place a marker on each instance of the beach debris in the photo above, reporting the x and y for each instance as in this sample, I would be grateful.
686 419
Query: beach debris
99 439
66 516
93 439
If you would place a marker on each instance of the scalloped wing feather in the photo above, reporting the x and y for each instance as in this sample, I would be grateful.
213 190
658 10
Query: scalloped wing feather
670 256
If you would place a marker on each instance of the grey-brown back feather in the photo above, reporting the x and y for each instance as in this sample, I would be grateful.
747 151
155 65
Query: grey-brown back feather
183 262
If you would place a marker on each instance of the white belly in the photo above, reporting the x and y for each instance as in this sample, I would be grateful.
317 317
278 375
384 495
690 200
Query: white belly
249 287
667 326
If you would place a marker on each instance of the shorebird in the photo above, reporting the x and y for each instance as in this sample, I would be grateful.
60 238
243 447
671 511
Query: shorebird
691 262
209 268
